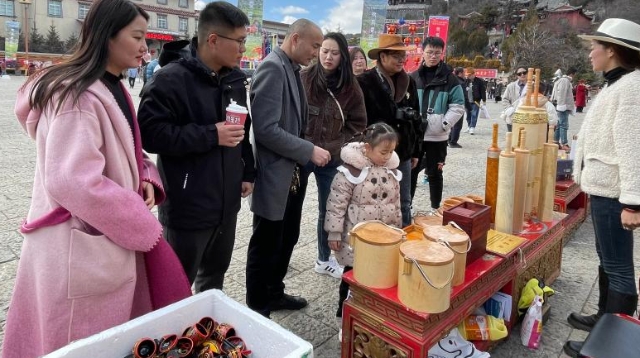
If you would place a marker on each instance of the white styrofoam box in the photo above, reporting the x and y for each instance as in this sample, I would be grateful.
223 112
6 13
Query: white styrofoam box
265 338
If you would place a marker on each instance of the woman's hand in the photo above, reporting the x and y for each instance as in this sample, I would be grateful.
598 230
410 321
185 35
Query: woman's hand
335 245
630 220
148 194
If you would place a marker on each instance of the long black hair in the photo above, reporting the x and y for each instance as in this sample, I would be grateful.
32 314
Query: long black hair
344 71
88 63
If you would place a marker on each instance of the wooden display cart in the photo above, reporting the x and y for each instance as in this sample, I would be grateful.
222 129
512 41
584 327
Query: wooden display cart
376 324
570 200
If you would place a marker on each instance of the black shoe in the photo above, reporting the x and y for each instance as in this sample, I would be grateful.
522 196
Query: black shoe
586 323
454 145
288 302
572 349
583 323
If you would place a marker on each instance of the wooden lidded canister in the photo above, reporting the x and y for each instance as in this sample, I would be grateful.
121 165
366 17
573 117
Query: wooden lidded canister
424 276
427 219
455 239
375 247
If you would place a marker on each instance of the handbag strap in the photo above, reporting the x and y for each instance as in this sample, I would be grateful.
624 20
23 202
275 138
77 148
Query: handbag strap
337 103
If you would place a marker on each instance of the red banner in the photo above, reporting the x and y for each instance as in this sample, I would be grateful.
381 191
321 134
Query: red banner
439 27
486 72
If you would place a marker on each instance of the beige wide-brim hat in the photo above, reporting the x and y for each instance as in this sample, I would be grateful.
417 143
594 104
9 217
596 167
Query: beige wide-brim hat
389 42
618 31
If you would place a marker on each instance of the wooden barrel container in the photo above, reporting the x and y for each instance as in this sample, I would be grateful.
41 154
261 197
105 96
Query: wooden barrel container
375 249
424 276
455 239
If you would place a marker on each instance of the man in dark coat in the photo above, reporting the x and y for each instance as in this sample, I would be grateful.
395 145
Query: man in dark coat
205 165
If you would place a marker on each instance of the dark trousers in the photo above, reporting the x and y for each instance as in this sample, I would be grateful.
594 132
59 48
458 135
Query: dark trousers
454 135
432 160
343 292
614 244
205 254
324 178
270 250
132 81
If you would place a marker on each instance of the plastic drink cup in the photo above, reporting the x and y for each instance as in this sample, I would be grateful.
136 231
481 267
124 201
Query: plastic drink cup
236 114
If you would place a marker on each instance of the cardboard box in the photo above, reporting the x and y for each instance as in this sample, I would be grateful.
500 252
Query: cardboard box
265 338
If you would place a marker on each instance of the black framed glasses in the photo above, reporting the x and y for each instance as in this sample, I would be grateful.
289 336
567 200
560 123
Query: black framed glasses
241 42
521 73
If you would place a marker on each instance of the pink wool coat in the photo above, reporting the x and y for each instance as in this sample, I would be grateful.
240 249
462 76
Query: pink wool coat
86 274
361 191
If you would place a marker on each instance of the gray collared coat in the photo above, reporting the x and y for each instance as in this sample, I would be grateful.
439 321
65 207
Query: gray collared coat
280 113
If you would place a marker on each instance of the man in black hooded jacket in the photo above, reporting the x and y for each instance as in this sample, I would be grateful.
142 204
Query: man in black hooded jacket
205 165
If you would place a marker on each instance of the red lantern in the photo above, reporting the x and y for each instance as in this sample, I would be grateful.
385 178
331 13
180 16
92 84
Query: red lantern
391 29
416 40
406 41
416 60
412 29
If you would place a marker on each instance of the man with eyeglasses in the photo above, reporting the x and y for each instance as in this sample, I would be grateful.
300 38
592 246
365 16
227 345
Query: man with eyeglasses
441 106
206 166
514 91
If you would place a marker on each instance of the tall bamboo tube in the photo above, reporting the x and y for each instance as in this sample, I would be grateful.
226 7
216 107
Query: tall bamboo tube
521 176
491 179
549 171
506 183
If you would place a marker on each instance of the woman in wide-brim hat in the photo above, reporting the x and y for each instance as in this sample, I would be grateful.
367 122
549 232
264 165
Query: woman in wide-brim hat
607 167
388 89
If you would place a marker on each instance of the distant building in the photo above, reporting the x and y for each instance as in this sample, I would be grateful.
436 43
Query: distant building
169 19
567 17
275 29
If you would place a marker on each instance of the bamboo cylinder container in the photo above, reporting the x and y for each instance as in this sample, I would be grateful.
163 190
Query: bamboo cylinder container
424 276
455 239
375 247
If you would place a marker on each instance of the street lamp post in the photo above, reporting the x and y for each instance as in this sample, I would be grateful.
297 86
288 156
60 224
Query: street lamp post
26 4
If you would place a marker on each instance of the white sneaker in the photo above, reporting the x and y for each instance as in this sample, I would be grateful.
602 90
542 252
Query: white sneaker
471 130
453 345
331 268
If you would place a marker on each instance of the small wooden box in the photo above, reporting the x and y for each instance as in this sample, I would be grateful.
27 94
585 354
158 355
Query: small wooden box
475 220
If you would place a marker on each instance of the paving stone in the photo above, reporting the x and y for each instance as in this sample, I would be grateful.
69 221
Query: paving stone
308 328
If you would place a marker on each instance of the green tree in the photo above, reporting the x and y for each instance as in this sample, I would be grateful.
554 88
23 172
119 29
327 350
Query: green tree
70 43
52 42
36 41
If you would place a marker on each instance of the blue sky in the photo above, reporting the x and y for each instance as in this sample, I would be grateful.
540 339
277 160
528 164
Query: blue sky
329 14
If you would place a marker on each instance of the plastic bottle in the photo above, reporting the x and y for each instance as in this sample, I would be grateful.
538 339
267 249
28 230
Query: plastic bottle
483 328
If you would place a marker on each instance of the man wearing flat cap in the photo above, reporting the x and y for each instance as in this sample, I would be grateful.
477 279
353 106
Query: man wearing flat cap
390 96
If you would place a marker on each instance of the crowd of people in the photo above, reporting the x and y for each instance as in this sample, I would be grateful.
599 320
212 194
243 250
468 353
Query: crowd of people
91 243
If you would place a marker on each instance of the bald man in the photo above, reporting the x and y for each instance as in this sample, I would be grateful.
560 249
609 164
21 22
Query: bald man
280 113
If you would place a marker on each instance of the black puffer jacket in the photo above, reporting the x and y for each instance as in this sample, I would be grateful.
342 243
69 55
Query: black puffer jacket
177 116
381 107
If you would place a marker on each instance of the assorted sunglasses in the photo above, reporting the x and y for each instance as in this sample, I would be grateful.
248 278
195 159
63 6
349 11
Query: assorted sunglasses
205 339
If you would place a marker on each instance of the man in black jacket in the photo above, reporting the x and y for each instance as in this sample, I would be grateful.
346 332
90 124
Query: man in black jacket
476 94
206 166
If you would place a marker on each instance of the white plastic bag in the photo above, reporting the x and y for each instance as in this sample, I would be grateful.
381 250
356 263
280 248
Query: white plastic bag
453 345
531 329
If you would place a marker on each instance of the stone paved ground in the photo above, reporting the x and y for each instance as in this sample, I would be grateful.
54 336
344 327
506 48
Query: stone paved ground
464 174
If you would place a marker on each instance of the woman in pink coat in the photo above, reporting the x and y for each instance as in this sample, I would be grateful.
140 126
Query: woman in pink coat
90 248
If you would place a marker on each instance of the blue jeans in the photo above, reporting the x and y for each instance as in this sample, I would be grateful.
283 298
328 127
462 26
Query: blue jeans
324 178
472 115
614 245
405 192
560 135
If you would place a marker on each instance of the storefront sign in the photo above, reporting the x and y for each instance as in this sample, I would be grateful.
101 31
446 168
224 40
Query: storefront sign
161 37
486 72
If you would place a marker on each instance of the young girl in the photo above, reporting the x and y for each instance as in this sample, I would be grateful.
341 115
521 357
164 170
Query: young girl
367 187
